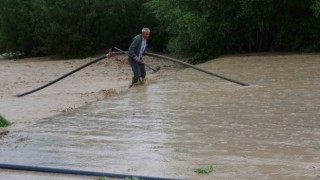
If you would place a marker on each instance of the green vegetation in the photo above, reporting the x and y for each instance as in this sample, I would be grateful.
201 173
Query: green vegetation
4 122
68 27
133 178
198 28
103 178
207 28
204 169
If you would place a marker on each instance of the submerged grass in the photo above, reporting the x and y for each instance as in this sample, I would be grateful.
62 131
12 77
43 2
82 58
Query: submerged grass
204 169
4 122
103 178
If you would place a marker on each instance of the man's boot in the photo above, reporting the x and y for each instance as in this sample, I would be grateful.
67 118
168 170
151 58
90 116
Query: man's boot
135 80
142 80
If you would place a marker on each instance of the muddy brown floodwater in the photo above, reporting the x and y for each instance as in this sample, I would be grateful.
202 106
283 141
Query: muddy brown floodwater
269 130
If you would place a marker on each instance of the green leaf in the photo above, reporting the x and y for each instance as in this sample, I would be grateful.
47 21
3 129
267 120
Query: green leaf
104 178
204 170
133 178
4 122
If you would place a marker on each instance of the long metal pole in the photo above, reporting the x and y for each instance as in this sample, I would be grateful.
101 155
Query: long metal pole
127 53
195 67
62 77
74 172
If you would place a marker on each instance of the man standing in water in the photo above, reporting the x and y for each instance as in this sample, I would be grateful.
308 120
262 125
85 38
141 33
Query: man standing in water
136 49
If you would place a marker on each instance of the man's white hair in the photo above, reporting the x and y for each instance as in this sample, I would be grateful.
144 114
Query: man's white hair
145 29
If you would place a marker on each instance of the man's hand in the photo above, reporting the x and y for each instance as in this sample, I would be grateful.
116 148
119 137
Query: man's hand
110 54
136 59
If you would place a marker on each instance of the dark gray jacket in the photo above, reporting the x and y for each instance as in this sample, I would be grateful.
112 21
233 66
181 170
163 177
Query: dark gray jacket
135 46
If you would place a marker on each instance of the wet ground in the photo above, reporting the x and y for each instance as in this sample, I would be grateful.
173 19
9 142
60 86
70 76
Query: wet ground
269 130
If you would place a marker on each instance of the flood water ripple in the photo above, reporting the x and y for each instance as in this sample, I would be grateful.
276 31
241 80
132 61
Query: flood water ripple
169 128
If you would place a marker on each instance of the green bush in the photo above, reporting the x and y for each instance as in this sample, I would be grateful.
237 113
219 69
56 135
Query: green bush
71 28
205 28
198 28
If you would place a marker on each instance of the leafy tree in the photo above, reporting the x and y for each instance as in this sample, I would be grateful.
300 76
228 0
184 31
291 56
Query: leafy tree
198 28
207 28
68 27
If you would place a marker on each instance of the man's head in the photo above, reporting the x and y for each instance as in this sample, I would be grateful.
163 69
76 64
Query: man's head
145 32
